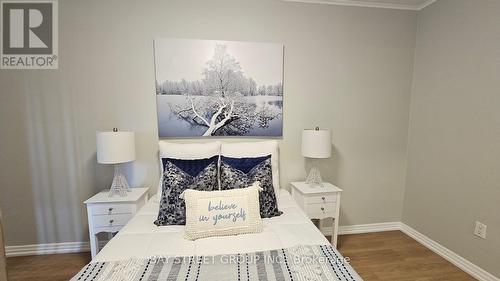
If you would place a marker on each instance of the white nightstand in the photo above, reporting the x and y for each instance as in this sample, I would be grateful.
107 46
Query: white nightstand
319 203
110 214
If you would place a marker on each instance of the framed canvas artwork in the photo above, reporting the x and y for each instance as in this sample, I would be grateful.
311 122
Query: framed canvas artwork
218 88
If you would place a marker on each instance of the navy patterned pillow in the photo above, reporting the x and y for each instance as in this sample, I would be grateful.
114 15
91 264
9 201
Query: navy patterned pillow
179 175
242 172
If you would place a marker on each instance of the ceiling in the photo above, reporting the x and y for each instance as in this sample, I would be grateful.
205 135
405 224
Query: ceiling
387 4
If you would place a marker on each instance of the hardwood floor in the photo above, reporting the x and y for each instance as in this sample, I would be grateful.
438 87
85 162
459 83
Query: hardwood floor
375 256
46 267
395 256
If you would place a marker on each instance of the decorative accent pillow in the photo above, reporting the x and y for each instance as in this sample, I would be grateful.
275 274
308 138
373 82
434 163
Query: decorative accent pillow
188 151
255 149
222 213
241 172
180 175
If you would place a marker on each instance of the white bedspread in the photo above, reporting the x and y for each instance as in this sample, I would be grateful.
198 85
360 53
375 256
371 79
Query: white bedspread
141 238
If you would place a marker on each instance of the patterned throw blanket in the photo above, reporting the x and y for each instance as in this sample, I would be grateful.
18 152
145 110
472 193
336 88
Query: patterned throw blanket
296 263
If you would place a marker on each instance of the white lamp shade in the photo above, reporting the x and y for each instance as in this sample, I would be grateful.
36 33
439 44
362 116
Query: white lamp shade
316 143
115 147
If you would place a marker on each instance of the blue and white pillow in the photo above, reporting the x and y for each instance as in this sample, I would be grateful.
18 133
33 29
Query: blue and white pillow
242 172
179 175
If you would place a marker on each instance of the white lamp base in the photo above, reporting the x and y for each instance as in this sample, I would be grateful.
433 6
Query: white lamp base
314 178
120 185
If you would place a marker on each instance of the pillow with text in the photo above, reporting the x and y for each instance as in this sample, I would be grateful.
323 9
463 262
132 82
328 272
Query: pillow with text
222 213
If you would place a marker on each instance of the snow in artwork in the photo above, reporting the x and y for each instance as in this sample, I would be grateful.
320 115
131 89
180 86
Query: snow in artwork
218 88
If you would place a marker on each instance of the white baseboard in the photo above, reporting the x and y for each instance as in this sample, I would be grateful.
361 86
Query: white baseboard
48 249
432 245
460 262
367 228
449 255
363 228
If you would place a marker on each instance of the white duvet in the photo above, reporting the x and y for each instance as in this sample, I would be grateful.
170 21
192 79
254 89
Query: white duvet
141 238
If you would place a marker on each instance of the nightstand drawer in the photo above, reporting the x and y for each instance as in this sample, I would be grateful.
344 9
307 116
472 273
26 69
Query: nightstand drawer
110 214
317 199
111 220
112 209
321 210
319 202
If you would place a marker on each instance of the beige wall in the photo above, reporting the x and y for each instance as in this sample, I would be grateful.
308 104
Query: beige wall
3 261
453 174
346 68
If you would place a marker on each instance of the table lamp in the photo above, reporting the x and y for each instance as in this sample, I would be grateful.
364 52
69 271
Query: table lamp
116 148
316 144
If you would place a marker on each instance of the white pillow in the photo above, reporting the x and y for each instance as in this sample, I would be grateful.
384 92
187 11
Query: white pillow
185 151
255 149
222 213
189 150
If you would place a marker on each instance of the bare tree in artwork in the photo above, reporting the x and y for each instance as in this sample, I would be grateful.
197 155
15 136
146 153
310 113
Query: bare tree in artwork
218 102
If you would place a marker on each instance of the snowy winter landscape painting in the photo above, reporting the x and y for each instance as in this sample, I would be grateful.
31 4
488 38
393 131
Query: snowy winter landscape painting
218 88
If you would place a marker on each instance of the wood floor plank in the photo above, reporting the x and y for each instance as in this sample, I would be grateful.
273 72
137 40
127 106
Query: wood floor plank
46 267
393 255
375 256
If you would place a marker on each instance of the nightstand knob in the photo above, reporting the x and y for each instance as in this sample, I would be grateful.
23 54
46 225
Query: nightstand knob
323 198
110 209
323 209
111 221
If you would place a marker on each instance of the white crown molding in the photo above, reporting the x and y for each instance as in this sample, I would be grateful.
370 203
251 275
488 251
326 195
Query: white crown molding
368 4
460 262
426 3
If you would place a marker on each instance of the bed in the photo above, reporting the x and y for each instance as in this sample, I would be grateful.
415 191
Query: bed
140 239
289 247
